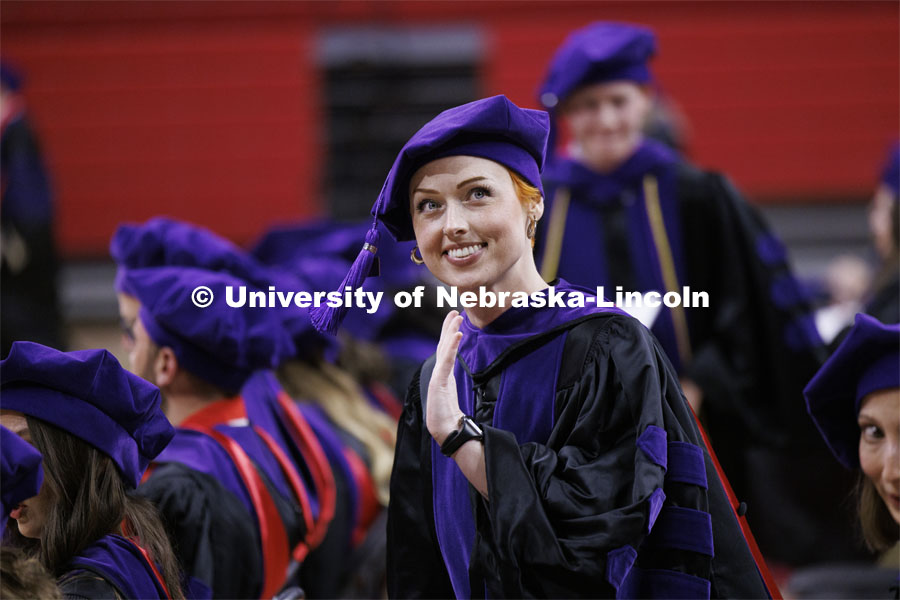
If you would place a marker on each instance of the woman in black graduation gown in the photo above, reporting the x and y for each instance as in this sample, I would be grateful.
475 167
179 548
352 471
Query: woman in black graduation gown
556 457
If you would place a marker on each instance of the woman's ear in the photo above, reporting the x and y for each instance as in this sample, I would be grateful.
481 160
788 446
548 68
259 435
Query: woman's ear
648 98
537 209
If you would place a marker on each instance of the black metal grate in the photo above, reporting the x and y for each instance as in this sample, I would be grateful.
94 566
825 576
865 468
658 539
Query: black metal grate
381 86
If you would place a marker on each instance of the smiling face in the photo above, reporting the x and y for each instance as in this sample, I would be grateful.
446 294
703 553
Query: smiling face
470 225
30 514
879 445
606 121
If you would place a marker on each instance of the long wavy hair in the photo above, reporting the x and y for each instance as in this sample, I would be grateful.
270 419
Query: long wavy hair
88 500
344 401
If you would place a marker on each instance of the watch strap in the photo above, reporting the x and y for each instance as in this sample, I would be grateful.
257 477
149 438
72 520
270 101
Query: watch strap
468 430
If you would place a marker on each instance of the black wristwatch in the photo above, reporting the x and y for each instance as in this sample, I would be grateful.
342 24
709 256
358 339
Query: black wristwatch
468 430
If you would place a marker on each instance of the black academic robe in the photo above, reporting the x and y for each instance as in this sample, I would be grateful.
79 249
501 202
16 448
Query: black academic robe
599 482
219 442
751 351
212 534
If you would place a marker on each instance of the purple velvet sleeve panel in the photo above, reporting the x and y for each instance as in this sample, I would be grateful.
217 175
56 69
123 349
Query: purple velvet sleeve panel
563 513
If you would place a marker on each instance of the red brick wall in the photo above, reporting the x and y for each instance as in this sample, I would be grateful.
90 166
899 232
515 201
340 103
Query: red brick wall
210 111
213 120
791 99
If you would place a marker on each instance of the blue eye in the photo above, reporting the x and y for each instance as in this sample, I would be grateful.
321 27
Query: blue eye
480 193
427 206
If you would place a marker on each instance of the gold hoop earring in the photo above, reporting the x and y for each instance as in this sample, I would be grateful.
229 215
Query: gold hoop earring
416 258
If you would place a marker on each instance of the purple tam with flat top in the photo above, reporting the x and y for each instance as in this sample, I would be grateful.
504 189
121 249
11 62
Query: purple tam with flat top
867 361
221 344
88 394
598 53
164 242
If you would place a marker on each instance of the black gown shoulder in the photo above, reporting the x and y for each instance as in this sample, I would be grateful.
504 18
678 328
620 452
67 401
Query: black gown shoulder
87 585
213 536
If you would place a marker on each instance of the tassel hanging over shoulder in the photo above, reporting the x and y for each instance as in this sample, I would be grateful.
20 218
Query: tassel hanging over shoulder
327 319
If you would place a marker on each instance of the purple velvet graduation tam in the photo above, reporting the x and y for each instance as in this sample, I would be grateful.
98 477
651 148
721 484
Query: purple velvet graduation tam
283 244
318 252
219 343
163 242
493 128
166 242
322 252
598 53
21 473
314 249
890 174
868 360
88 394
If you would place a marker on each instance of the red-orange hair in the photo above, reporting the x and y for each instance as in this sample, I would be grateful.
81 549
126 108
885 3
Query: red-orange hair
527 193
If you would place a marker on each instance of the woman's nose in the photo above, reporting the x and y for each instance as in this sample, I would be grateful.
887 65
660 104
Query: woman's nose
455 222
892 462
606 115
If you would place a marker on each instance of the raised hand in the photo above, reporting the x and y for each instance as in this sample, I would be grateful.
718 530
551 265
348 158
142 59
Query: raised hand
442 412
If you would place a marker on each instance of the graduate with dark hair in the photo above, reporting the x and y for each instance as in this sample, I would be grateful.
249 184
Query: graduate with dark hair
854 401
335 460
625 210
21 476
229 496
97 427
544 451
